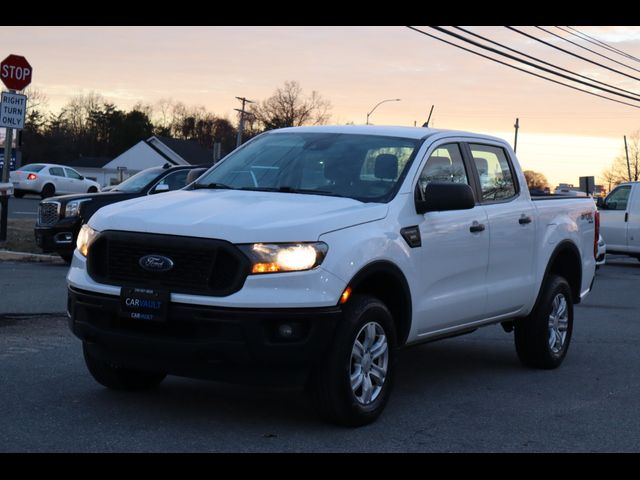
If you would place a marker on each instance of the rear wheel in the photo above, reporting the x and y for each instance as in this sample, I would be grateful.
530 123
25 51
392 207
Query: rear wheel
18 193
48 190
542 339
67 257
119 378
352 385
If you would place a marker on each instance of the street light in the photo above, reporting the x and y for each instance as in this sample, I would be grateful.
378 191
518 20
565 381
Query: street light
389 100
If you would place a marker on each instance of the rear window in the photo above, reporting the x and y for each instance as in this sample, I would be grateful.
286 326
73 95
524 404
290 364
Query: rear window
34 167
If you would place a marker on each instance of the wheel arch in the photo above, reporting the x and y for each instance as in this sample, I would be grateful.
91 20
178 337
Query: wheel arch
565 260
384 280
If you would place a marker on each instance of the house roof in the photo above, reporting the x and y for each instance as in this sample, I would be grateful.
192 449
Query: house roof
190 151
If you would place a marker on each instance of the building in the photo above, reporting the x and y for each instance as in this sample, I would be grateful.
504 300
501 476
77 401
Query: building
154 152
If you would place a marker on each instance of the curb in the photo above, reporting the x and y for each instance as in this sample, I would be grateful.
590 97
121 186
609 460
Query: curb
8 255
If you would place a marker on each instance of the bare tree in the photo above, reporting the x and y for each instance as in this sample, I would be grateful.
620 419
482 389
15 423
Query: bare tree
536 180
77 112
288 107
618 171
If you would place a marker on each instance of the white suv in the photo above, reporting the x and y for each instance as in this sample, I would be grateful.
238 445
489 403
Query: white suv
48 180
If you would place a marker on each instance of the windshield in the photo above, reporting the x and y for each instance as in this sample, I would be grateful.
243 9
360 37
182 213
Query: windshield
34 167
364 167
138 181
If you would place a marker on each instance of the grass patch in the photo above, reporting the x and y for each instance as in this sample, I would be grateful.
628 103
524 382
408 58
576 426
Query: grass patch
20 237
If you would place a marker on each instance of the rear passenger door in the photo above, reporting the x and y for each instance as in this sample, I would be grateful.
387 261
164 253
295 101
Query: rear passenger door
511 228
453 257
59 180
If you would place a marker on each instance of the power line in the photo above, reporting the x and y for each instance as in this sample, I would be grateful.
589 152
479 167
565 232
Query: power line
585 48
520 69
570 53
595 41
635 97
547 63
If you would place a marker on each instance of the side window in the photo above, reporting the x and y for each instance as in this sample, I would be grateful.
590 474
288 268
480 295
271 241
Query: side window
56 171
617 200
175 180
496 177
72 173
444 165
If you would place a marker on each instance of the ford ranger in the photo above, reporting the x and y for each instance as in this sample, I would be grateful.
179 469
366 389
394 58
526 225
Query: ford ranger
312 254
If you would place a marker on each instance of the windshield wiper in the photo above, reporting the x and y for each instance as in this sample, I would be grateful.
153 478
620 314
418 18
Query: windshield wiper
286 189
214 185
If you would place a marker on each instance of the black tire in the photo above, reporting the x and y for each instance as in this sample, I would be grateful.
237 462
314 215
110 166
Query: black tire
48 190
533 334
330 385
92 190
67 257
18 193
118 378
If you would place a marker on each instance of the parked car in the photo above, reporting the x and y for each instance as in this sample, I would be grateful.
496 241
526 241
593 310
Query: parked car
312 254
46 180
60 218
620 219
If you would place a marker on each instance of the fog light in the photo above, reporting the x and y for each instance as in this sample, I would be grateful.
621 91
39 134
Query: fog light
285 330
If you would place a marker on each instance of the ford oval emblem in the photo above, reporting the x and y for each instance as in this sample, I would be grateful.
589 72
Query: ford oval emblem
156 263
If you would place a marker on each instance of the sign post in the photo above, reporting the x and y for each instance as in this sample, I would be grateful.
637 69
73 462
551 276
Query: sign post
15 73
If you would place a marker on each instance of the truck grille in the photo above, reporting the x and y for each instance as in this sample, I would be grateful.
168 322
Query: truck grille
200 266
48 213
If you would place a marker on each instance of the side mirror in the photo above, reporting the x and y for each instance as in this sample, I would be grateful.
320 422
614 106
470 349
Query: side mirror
440 197
163 187
81 177
600 203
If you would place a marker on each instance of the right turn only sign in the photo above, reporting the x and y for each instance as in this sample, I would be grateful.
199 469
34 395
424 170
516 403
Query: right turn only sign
13 108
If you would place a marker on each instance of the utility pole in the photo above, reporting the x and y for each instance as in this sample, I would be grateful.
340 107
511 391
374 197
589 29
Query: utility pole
242 114
626 150
515 140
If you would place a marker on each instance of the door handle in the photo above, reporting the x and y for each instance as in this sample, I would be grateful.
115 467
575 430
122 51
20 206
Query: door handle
524 220
476 227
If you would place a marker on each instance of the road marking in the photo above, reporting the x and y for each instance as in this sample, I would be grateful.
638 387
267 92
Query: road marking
25 213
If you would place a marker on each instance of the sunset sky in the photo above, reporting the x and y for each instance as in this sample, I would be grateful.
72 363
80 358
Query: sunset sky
564 133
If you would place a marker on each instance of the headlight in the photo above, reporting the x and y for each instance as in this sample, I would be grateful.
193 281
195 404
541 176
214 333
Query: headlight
85 238
284 257
73 208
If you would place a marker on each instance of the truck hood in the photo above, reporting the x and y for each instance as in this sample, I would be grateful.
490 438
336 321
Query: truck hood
237 216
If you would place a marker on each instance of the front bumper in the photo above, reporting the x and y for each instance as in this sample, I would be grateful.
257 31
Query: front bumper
237 345
60 237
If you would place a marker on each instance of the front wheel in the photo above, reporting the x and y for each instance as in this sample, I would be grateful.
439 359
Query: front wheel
542 339
92 190
352 384
119 378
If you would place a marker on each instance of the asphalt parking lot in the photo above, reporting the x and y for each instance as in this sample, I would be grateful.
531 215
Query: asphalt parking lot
26 207
466 394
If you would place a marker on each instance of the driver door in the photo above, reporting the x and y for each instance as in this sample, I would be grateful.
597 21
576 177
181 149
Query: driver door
614 217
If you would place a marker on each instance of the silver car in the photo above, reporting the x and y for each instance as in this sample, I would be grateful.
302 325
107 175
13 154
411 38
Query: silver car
48 180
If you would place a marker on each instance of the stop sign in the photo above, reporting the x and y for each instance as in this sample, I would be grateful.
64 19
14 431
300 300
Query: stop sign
15 72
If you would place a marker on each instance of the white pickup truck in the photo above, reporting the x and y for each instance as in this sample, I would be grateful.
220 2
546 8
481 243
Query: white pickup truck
313 254
620 215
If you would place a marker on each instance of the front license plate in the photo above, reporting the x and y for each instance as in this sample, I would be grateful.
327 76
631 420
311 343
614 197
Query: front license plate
144 304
